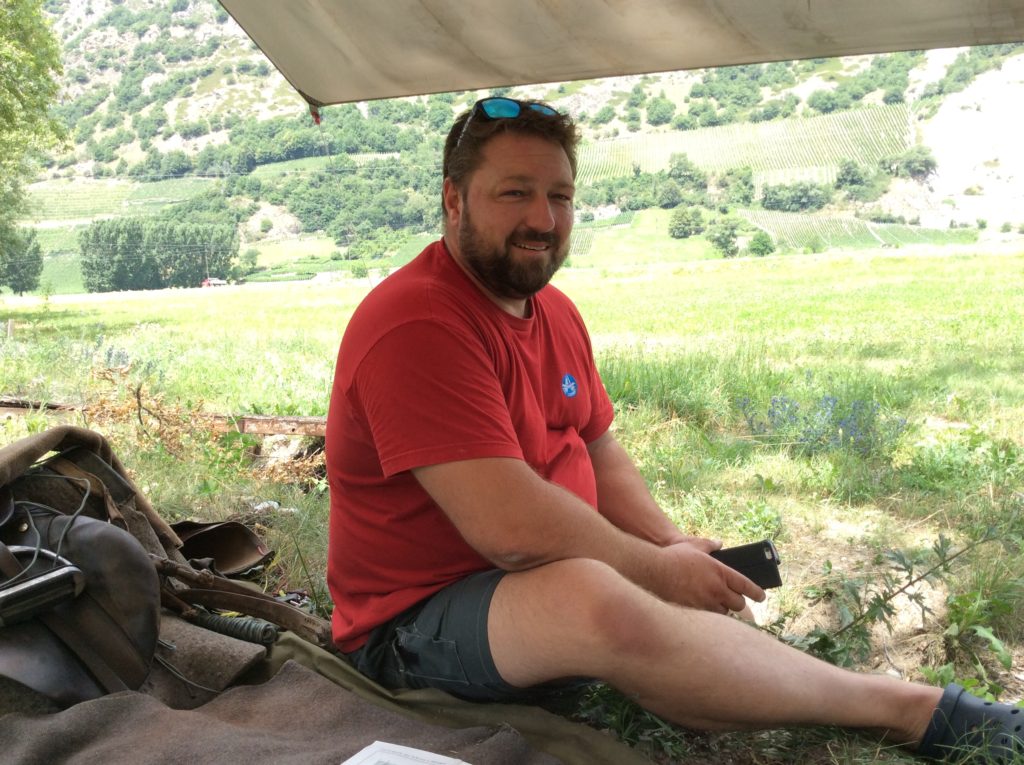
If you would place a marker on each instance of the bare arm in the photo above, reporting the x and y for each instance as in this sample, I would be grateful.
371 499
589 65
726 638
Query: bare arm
624 499
518 521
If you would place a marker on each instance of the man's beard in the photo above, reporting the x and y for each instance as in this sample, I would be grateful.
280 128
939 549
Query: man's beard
500 271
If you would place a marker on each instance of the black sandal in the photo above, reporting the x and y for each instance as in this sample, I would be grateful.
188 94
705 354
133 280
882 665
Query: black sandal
964 724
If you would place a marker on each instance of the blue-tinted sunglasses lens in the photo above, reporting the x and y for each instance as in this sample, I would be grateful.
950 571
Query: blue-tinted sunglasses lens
506 108
545 110
500 108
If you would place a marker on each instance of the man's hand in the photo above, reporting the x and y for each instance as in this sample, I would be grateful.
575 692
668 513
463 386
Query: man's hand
693 578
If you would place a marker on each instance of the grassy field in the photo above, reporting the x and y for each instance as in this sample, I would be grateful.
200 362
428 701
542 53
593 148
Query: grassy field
845 405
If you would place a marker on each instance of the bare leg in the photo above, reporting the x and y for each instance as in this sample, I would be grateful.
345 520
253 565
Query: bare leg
698 669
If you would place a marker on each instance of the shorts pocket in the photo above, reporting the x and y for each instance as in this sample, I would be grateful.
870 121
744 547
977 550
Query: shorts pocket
426 660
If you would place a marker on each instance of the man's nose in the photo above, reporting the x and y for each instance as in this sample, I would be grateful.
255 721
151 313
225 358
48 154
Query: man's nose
541 215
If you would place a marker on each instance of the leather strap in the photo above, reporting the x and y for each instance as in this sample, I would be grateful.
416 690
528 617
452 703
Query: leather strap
68 468
219 592
305 625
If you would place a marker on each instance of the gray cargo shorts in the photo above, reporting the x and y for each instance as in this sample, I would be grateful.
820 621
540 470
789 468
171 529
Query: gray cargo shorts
441 642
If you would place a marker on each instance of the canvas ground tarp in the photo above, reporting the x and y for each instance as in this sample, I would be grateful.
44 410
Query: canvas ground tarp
304 706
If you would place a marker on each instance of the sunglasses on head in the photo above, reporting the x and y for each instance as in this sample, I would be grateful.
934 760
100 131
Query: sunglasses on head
500 108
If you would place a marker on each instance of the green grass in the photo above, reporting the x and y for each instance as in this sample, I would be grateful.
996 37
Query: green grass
62 274
641 241
276 252
682 341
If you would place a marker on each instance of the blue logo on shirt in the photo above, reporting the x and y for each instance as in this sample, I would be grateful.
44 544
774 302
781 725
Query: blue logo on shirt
569 386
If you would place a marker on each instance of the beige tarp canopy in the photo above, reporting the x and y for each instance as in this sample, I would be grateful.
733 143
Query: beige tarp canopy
333 51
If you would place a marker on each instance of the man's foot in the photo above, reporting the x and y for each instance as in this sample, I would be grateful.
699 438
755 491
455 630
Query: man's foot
963 724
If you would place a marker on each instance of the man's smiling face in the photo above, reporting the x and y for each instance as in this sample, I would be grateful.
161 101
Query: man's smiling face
512 221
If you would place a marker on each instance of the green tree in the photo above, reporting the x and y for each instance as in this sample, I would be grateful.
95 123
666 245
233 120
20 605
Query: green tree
827 101
722 236
686 173
21 260
917 162
796 197
685 222
850 174
660 110
669 195
29 71
604 115
637 96
738 185
761 244
146 253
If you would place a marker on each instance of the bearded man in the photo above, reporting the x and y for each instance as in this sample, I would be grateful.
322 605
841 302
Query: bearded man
490 537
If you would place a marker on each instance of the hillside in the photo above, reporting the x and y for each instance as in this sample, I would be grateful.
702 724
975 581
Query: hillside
170 103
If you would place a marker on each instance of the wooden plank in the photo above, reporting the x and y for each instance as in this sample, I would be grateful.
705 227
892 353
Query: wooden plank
265 425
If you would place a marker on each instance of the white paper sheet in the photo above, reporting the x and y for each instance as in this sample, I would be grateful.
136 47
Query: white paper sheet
382 753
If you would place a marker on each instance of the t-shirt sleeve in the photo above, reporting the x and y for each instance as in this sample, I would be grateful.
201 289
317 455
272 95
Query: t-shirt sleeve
602 411
601 408
430 395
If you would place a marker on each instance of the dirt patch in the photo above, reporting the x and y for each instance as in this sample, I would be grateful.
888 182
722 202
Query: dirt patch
282 223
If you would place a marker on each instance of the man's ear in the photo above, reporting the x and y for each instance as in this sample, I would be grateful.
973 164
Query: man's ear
452 203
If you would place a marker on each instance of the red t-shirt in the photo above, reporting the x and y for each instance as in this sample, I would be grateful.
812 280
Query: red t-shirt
431 371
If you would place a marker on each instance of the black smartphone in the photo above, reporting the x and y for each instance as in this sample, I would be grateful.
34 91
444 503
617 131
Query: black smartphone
758 561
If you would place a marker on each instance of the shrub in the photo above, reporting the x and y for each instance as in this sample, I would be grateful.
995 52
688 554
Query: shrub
917 163
660 110
685 222
796 197
761 244
604 115
722 236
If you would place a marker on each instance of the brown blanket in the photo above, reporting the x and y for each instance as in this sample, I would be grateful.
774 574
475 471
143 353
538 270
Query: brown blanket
296 717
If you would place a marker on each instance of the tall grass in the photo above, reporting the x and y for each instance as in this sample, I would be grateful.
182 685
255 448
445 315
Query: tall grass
755 394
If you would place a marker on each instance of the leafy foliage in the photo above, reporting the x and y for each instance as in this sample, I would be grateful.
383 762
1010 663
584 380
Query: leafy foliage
146 253
796 197
722 235
890 74
660 110
29 71
686 173
761 244
21 260
917 162
685 222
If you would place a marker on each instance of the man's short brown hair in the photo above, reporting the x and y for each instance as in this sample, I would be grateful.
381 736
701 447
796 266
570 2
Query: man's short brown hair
465 143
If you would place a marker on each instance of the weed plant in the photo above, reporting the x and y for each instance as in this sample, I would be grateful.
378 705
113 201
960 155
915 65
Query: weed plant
827 424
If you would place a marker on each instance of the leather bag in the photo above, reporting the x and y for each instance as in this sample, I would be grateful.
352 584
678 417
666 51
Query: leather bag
128 611
79 596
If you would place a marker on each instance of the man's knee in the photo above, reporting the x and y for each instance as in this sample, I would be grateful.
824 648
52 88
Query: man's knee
603 607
